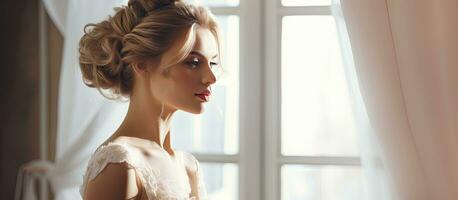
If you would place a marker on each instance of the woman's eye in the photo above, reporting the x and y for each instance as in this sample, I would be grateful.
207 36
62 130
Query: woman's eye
213 64
193 63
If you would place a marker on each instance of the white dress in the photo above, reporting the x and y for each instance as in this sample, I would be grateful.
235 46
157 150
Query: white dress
161 178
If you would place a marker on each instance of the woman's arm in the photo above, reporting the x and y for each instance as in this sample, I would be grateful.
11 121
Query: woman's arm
117 181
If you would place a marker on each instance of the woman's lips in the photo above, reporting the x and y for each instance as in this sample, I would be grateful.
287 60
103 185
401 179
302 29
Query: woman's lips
203 97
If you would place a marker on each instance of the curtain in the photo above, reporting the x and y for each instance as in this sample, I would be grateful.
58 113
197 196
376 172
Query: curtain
375 180
85 118
404 57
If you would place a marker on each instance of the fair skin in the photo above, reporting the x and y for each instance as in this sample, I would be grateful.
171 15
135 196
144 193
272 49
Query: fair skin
176 89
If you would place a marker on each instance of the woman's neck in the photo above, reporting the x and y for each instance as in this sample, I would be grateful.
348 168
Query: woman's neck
148 120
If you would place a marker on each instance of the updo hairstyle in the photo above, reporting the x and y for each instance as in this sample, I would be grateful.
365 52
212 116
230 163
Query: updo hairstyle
141 31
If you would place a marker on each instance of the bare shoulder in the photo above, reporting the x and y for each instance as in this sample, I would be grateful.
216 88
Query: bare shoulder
115 181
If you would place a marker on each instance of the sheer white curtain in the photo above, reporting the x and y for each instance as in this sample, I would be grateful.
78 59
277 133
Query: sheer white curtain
375 180
405 57
85 118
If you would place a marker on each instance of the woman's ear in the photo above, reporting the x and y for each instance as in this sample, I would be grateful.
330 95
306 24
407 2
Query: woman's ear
139 68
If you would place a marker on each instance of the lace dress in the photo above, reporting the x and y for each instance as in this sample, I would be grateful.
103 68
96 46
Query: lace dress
160 179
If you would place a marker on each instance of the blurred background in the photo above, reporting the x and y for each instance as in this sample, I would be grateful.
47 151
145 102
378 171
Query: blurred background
322 100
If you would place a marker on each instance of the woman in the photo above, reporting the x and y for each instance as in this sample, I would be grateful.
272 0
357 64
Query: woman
162 56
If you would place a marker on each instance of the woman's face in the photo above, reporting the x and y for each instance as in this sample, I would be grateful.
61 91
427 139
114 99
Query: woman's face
180 86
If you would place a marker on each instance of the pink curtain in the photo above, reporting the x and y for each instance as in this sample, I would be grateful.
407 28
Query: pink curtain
406 59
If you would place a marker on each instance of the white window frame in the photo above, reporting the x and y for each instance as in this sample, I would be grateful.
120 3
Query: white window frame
259 159
273 159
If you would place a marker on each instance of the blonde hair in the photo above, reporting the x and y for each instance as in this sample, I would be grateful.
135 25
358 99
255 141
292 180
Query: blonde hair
136 33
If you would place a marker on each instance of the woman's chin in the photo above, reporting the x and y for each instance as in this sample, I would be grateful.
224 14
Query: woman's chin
195 109
199 110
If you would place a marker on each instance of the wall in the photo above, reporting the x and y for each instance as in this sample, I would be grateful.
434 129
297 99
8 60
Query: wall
19 80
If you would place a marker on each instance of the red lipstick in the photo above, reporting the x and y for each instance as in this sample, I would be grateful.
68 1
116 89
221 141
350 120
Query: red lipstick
204 95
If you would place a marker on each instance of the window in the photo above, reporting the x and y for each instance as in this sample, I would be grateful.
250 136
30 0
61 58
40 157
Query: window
279 125
310 130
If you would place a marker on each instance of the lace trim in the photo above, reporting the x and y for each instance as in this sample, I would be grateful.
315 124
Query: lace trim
155 189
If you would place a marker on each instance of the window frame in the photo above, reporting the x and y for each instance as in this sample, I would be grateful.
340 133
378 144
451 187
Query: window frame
273 158
259 158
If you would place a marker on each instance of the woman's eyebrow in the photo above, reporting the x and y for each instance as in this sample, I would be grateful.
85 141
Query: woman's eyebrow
201 54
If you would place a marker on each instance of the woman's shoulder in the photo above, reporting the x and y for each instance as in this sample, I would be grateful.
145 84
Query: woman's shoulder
115 162
105 154
111 152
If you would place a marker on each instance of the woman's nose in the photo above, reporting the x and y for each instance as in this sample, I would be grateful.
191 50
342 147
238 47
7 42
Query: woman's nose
209 77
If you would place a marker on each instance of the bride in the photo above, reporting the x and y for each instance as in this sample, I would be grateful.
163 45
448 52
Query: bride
162 55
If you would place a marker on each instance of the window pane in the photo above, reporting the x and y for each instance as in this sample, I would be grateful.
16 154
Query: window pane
221 180
218 3
306 2
316 111
216 129
300 182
